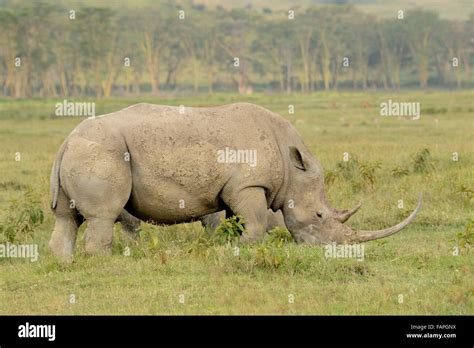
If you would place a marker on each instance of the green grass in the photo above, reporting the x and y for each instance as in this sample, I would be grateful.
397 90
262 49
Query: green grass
167 262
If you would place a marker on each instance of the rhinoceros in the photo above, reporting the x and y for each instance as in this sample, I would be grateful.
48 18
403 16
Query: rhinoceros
170 165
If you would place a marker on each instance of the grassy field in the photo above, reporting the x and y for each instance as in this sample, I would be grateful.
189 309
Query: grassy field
182 270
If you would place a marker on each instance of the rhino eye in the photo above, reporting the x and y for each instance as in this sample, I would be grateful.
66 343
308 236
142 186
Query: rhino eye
319 214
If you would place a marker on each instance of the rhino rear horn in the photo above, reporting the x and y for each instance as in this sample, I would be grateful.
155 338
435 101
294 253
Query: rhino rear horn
344 215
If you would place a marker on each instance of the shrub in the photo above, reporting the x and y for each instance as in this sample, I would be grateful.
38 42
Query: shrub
270 256
230 230
272 252
22 216
200 246
367 172
348 169
464 192
422 161
279 235
330 177
398 172
360 175
465 239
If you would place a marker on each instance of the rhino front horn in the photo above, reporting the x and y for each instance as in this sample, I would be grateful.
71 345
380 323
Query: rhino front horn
359 236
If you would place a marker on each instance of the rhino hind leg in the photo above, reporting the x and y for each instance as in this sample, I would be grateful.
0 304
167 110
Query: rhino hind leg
98 235
130 224
101 219
100 189
100 225
64 235
211 221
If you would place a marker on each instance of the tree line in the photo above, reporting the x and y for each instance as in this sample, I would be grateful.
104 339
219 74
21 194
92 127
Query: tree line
49 50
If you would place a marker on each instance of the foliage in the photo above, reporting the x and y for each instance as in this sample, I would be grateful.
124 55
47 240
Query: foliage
279 235
270 256
85 55
465 193
360 174
399 172
22 216
422 161
367 171
348 169
465 239
272 252
230 230
330 176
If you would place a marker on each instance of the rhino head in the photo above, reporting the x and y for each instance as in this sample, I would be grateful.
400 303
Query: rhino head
310 218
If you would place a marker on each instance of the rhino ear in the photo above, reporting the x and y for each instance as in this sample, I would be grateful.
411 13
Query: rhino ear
297 158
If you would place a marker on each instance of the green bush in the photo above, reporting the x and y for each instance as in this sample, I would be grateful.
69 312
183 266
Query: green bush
22 216
279 235
348 169
422 161
270 256
230 230
360 175
398 172
272 252
465 239
465 193
367 172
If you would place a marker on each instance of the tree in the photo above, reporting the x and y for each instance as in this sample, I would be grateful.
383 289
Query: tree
154 38
393 49
421 27
234 39
9 26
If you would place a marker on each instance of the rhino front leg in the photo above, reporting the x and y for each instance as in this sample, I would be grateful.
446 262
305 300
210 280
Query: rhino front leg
275 219
251 204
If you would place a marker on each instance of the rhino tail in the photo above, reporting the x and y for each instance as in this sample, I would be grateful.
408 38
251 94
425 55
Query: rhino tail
55 174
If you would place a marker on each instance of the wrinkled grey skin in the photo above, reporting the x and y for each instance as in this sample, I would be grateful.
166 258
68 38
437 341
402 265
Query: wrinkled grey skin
173 160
